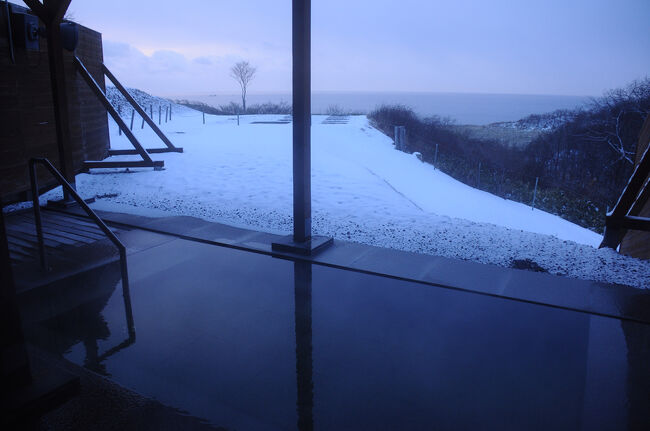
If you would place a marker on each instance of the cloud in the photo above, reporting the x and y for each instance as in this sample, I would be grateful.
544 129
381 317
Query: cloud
167 62
203 60
552 47
116 49
170 73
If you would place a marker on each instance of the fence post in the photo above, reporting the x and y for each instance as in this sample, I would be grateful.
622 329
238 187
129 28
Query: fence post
166 113
142 125
238 118
535 192
170 112
435 158
151 109
132 116
396 139
400 138
503 174
203 117
159 114
119 112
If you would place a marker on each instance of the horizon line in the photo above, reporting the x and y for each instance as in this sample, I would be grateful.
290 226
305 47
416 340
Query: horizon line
412 92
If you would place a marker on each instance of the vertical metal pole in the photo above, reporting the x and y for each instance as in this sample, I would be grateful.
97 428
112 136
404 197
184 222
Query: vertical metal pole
9 32
166 113
119 112
151 110
301 44
159 114
535 192
238 118
132 117
37 215
170 112
203 117
142 125
60 100
435 158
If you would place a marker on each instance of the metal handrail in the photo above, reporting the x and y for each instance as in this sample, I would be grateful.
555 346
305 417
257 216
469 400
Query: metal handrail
98 221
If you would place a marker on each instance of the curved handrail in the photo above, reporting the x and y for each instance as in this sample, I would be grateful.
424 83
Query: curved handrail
98 221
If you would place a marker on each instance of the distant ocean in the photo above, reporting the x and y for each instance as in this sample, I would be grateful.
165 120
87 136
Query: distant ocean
464 108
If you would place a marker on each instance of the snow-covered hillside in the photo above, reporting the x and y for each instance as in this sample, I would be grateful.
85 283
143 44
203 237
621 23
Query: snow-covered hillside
540 122
146 101
363 190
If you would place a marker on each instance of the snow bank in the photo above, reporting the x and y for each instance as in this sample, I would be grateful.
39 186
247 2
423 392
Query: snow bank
363 190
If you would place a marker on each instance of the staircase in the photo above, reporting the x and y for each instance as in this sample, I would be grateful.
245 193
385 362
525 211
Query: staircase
61 234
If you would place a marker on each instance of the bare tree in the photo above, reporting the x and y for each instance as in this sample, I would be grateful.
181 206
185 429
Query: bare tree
614 139
243 73
620 110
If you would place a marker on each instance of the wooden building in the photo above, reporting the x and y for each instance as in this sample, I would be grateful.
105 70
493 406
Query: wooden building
27 122
637 243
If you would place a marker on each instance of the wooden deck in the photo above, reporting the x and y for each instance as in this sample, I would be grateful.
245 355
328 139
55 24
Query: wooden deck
60 232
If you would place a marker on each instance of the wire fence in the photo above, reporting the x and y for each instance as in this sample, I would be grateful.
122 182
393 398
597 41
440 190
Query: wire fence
538 192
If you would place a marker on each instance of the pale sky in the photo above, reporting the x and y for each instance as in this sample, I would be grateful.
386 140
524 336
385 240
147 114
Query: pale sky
572 47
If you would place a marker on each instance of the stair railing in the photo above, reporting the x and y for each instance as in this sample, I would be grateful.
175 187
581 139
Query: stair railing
68 188
98 221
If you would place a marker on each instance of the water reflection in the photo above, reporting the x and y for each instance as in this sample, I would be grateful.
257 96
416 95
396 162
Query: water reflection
54 322
302 273
291 345
637 340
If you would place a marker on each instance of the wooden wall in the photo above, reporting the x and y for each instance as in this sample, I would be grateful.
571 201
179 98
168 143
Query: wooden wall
637 243
27 126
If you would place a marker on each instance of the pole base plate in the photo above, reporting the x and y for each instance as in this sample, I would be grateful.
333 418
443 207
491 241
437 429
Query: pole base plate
310 247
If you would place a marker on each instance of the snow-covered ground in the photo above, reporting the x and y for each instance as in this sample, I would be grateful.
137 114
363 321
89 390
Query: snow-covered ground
363 190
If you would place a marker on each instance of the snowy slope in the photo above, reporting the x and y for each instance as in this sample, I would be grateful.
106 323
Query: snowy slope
145 100
363 190
430 190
